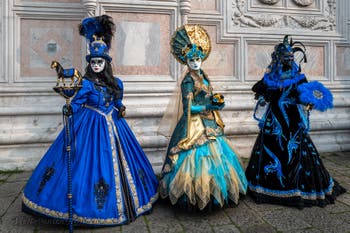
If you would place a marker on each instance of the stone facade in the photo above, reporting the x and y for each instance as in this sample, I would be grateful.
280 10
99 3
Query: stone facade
243 33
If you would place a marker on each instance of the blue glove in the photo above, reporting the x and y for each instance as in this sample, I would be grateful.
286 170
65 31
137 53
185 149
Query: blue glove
197 108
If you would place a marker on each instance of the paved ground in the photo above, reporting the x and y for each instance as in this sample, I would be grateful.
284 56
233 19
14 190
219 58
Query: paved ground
247 217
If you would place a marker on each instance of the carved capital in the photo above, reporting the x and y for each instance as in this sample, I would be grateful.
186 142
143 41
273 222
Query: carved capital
185 9
90 6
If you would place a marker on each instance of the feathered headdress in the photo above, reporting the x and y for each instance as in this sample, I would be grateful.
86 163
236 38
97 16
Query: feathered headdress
289 47
189 41
99 32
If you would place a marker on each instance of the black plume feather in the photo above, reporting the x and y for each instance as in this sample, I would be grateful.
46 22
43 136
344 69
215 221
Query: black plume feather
298 49
100 26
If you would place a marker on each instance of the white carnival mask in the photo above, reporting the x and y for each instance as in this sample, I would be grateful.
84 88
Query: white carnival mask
97 64
194 63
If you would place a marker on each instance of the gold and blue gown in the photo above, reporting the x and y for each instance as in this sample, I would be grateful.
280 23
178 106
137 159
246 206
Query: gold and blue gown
112 180
200 169
285 166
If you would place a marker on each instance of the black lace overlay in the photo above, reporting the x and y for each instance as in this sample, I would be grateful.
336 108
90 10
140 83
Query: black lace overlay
101 192
141 174
49 171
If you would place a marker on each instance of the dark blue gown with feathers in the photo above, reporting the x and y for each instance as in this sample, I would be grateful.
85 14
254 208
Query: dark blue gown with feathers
285 167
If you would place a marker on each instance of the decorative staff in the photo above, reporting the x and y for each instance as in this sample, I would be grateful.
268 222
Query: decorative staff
68 92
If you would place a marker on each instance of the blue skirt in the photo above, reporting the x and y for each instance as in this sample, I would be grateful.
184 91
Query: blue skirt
110 174
210 170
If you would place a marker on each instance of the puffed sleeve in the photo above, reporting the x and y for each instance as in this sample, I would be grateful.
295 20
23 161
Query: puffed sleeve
187 87
82 95
118 103
295 92
259 88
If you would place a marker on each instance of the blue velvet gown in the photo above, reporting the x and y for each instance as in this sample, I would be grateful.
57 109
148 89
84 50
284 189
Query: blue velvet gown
201 169
112 180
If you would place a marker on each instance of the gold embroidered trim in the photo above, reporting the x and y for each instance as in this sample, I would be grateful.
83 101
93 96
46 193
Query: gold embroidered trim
127 171
200 141
113 132
61 215
215 132
118 184
295 194
198 84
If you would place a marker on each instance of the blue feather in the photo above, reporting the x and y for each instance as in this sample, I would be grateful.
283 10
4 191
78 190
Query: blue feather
316 94
89 27
100 26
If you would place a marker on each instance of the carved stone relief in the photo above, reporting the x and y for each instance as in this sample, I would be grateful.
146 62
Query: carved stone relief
269 2
241 17
303 2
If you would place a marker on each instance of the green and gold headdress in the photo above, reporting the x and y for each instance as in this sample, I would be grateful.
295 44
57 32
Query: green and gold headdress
190 40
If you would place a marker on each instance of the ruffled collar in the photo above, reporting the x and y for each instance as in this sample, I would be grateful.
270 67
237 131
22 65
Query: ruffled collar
276 79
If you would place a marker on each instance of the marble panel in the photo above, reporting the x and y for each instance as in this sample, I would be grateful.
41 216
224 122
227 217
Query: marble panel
342 62
315 67
221 60
141 45
138 44
204 5
259 58
46 40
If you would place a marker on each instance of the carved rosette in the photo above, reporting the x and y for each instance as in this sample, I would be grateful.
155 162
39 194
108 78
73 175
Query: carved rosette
324 23
303 2
242 18
269 2
90 6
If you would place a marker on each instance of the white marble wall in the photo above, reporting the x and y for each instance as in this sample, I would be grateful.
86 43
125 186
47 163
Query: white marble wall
243 32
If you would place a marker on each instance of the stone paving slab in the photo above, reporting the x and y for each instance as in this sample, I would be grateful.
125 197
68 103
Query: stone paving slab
244 217
247 217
